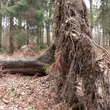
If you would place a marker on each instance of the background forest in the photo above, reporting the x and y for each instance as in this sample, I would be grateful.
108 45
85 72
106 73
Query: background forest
29 22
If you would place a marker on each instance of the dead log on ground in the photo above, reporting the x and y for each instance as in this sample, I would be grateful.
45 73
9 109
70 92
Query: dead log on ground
30 65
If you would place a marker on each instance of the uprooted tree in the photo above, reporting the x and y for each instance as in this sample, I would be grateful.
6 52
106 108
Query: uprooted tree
82 75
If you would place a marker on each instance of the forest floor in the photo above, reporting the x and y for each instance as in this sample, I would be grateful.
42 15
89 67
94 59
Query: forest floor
20 92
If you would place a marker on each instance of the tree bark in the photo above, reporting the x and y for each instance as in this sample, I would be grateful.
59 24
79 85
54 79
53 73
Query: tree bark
29 66
80 69
11 45
11 38
0 31
48 34
91 15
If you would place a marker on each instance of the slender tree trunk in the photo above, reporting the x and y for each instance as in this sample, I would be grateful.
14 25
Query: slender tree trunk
99 35
11 30
42 33
27 41
48 26
48 34
103 37
38 34
41 40
103 23
20 28
91 15
106 40
109 40
11 34
0 26
0 31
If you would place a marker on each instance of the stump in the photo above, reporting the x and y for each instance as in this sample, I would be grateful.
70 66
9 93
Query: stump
82 76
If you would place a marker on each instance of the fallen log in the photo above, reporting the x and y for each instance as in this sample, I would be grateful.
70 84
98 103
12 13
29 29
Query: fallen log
25 71
29 66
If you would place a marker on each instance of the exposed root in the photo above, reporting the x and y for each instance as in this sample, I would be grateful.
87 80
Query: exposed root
78 61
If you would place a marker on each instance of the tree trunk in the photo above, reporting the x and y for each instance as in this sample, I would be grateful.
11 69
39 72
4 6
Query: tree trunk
103 23
11 38
20 27
41 34
91 15
27 41
109 41
11 31
0 26
38 34
79 69
30 65
48 34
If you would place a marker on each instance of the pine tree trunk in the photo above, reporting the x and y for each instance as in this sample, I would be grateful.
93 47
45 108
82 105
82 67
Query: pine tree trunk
41 34
91 15
11 38
103 24
48 34
109 41
11 45
20 27
38 34
27 41
0 26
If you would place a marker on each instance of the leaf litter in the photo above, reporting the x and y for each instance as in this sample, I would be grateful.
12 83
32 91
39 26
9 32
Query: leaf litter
20 92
